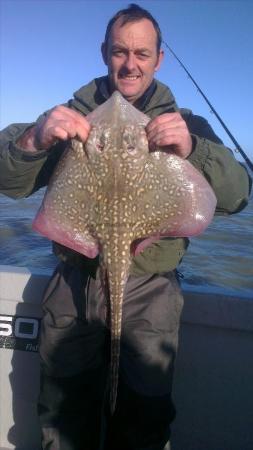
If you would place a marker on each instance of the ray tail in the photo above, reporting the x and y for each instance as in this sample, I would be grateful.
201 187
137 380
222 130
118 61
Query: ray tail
117 267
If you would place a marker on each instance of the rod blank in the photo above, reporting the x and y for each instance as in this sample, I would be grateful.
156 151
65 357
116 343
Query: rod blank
238 147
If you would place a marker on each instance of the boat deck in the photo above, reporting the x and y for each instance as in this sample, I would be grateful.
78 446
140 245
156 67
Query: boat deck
213 388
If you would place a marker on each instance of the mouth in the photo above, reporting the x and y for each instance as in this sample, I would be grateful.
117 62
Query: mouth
129 77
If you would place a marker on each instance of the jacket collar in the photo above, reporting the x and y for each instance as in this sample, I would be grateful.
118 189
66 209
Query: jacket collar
157 99
140 102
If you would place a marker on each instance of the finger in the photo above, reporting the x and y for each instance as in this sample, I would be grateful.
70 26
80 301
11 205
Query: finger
58 133
178 144
166 128
167 139
45 138
80 127
63 113
52 131
164 140
82 132
66 129
164 118
171 125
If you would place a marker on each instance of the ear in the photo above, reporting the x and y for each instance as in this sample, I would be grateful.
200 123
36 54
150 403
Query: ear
104 53
159 60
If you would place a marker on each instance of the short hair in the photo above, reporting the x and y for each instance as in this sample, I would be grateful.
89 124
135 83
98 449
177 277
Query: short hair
134 13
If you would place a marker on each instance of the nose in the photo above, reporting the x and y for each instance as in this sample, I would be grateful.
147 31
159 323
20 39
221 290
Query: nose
130 61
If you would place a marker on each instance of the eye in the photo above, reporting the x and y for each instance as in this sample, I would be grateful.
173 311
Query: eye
142 56
102 140
131 149
118 53
99 146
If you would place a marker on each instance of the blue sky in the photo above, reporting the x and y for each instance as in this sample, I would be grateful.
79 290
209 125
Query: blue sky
50 48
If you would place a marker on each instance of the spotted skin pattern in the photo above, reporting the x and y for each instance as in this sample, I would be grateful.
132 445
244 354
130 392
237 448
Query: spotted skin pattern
111 192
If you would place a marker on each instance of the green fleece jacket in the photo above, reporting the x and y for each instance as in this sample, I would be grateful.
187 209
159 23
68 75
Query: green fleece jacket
22 173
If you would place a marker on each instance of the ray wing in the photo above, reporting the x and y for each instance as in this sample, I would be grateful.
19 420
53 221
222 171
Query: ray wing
173 199
67 214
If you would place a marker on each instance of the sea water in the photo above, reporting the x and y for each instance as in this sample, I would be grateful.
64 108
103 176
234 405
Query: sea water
220 260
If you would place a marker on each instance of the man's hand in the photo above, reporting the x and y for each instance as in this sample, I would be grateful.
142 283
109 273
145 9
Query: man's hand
60 123
169 131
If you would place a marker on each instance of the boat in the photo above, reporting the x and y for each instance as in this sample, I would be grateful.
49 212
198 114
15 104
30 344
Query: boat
213 389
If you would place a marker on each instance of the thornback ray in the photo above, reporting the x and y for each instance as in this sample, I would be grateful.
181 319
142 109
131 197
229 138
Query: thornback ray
113 197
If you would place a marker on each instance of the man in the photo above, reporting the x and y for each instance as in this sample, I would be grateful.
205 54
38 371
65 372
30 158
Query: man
73 403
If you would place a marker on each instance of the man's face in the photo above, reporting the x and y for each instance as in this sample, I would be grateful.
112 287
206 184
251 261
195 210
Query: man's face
131 57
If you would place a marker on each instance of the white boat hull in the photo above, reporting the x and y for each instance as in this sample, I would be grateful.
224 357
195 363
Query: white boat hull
213 388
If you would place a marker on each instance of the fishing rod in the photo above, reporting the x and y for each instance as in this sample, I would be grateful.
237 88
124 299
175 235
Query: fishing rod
238 147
